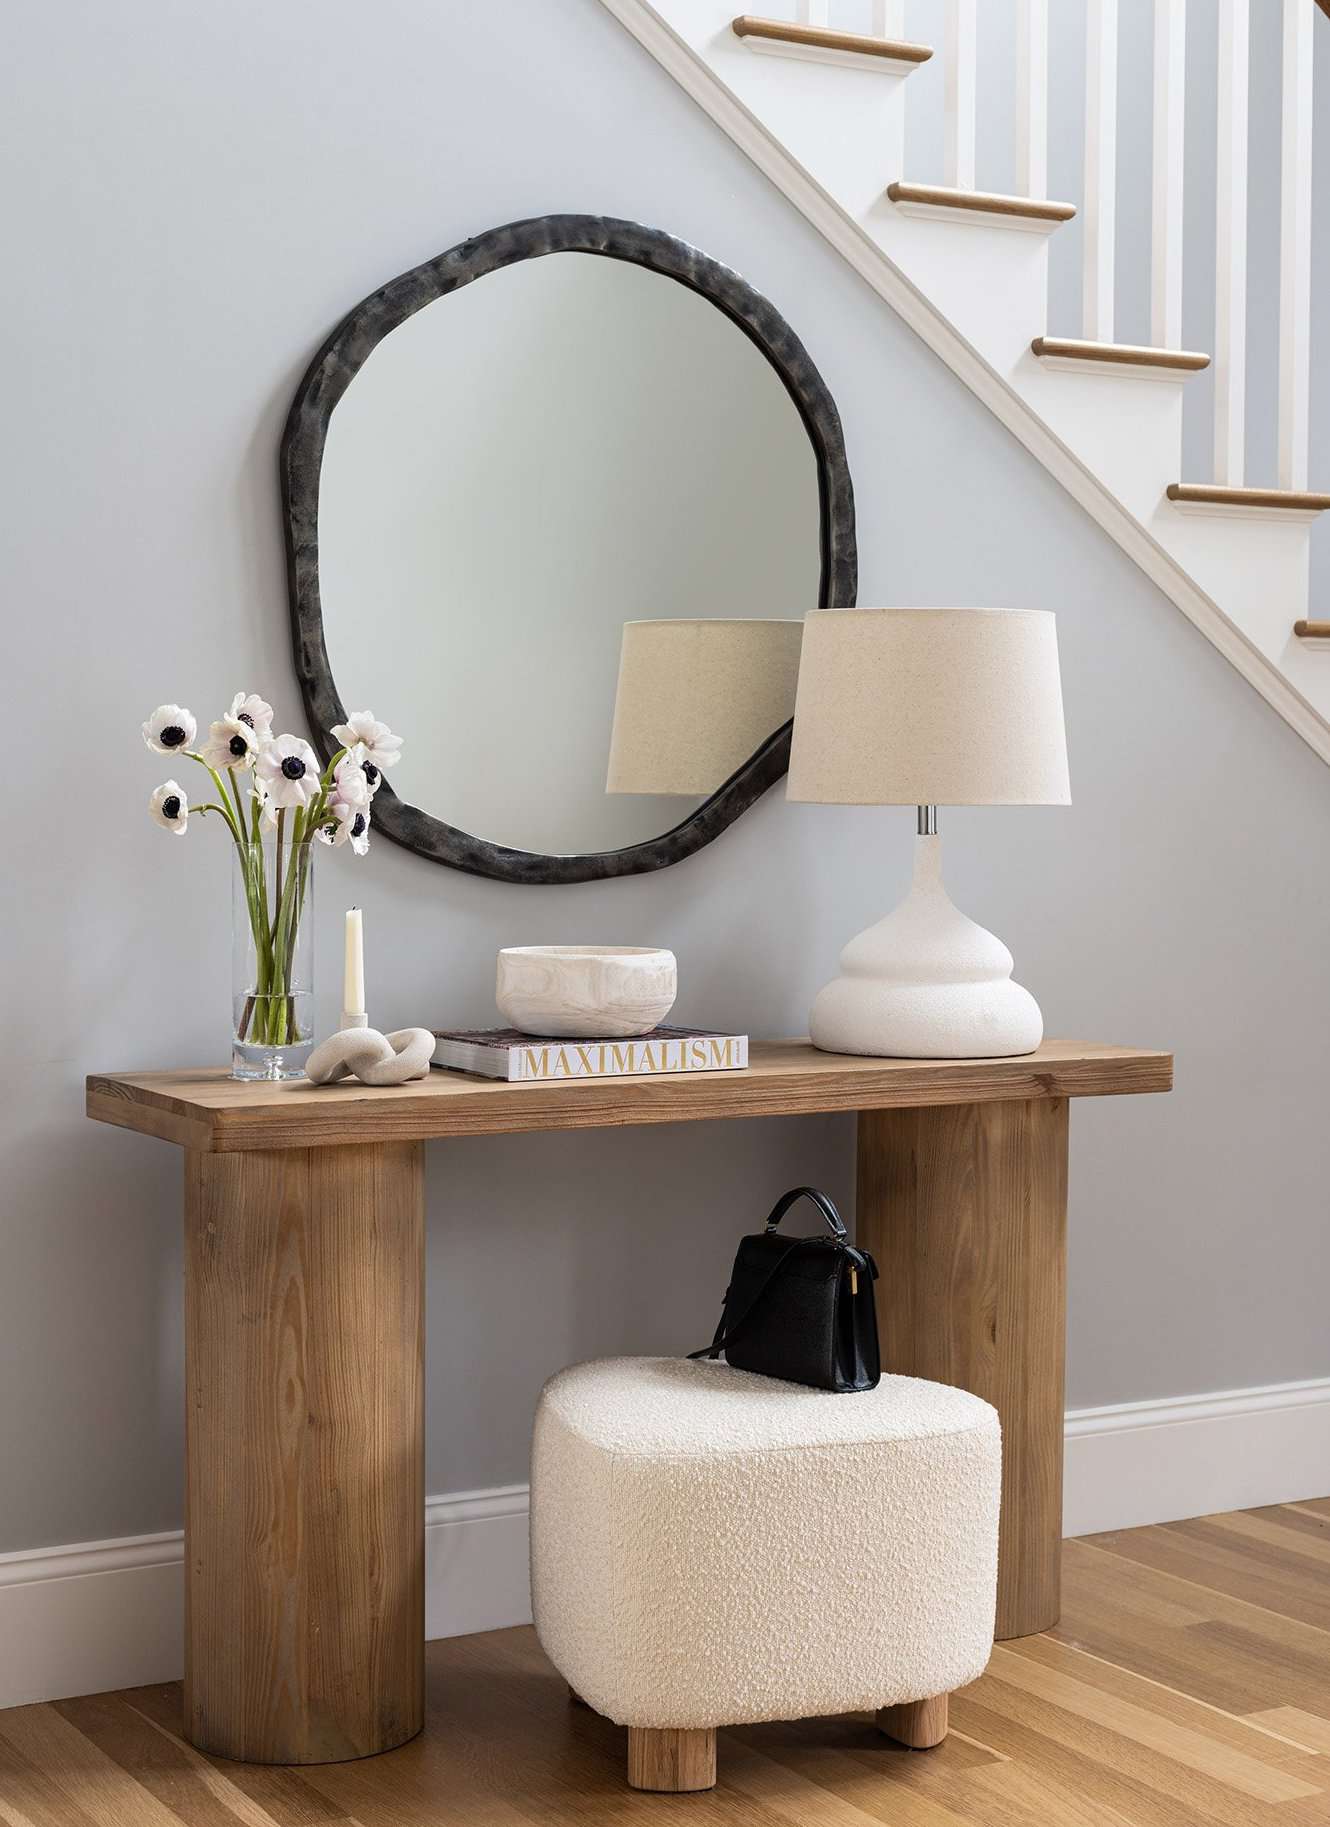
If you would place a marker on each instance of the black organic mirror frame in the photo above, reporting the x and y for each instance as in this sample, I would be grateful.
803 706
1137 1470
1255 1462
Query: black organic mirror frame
336 366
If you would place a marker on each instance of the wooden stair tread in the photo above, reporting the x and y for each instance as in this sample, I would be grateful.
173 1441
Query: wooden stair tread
826 38
983 202
1295 500
1135 355
1312 631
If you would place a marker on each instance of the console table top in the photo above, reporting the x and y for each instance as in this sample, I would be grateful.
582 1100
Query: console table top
207 1109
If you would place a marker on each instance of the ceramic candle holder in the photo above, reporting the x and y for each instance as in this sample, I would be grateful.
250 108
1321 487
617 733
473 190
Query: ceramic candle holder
373 1058
586 992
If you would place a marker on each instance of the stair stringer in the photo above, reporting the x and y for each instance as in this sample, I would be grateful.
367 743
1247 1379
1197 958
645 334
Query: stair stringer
1112 441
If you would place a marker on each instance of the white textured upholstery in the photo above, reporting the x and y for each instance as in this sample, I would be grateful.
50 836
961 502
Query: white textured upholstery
713 1548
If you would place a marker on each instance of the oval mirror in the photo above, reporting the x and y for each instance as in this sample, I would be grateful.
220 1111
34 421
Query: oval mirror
485 482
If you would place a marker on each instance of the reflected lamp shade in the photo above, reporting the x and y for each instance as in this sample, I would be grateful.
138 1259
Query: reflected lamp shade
928 707
696 698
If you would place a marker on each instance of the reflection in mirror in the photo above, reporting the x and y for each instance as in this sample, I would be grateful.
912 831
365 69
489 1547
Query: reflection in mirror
697 698
520 468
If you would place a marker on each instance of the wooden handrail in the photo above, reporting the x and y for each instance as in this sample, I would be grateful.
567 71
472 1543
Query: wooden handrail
1134 355
1312 631
1296 500
825 38
981 202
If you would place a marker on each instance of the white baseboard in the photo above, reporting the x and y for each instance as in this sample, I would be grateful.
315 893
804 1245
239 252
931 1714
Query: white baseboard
99 1615
83 1619
476 1561
1153 1462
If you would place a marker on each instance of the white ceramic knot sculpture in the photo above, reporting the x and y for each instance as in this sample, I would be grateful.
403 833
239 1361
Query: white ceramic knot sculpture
373 1058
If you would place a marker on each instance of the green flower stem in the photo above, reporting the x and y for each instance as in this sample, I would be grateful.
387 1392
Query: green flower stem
269 985
236 830
240 809
300 855
277 875
251 862
282 1003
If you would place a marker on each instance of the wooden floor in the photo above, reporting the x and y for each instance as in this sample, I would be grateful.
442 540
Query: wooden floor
1188 1685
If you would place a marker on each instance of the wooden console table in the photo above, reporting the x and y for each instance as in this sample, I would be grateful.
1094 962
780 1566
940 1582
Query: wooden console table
304 1252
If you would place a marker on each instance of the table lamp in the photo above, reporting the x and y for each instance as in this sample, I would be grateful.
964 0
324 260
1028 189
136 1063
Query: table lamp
696 698
928 707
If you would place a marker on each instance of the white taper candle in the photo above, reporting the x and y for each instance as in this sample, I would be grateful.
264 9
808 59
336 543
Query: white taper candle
353 981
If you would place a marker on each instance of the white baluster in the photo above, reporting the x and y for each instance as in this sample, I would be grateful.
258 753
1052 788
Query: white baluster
811 12
889 22
1101 165
1166 204
1032 98
1231 243
1295 240
961 48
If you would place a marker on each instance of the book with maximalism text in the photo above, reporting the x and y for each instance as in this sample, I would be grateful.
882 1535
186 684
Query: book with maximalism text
506 1053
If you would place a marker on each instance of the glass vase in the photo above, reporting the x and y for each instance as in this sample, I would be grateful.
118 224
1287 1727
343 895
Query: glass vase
272 958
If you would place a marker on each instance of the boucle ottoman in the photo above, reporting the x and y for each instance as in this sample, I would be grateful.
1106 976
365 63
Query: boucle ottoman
713 1548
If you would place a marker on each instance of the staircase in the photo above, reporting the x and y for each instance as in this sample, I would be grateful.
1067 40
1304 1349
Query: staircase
815 92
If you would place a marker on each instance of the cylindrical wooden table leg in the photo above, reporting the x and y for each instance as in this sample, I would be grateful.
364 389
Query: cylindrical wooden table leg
964 1207
305 1510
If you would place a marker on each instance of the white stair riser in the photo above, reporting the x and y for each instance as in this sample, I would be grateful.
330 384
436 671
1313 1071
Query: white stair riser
1127 430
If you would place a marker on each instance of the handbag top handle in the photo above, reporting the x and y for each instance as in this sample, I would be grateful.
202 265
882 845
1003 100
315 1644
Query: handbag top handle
820 1200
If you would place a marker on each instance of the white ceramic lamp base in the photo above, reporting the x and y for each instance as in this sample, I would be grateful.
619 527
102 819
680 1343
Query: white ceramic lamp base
926 983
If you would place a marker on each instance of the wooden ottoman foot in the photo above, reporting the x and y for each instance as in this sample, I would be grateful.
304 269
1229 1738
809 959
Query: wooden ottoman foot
920 1724
671 1760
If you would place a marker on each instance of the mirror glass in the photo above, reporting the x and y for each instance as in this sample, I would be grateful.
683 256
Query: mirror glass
568 444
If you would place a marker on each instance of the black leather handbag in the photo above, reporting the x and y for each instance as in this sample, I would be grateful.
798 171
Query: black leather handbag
801 1308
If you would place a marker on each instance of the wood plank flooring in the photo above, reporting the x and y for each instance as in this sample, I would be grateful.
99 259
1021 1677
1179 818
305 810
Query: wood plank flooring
1187 1685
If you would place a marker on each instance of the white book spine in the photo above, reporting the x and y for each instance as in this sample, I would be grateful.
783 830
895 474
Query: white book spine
563 1059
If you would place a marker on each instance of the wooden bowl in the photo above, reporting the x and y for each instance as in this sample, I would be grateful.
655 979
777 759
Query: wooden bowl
586 992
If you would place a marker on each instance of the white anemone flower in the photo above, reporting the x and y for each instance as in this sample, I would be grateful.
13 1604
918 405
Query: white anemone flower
250 708
289 770
267 810
231 744
169 729
373 776
351 785
346 824
169 806
377 742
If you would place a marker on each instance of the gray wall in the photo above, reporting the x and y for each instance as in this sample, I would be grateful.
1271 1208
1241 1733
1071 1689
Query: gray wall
203 191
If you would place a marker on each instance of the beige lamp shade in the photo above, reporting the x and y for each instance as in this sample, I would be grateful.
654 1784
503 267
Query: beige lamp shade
696 698
922 707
